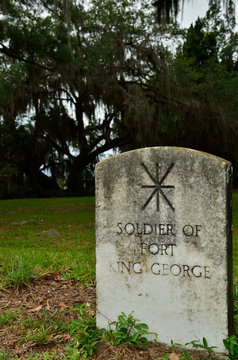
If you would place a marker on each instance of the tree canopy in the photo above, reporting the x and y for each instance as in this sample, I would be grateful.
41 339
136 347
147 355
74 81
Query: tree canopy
72 70
78 79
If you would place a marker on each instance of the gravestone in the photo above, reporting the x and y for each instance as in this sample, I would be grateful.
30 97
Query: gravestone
163 242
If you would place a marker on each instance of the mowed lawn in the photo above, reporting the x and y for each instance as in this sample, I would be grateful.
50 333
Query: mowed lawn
38 236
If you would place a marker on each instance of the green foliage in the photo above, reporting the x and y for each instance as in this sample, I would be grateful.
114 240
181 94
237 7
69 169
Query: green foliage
41 334
8 316
47 356
200 46
85 334
231 345
127 330
204 345
207 81
235 252
86 69
4 355
41 328
195 344
20 274
235 302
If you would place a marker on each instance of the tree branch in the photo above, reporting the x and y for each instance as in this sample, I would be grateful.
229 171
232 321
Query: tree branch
108 146
61 149
106 131
153 89
69 95
4 50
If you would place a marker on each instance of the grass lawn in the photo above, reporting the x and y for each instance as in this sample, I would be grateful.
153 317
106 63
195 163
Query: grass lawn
38 236
49 245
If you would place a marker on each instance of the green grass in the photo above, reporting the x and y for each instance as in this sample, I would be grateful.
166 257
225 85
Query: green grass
24 255
235 235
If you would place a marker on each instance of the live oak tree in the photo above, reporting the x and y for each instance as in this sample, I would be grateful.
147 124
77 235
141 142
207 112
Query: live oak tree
81 74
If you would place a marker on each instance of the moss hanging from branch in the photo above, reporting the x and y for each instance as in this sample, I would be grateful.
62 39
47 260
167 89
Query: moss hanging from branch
166 9
68 21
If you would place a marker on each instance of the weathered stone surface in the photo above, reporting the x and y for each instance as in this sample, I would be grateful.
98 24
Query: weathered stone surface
163 218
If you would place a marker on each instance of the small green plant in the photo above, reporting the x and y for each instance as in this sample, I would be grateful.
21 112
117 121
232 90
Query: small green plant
4 355
42 335
231 345
19 275
8 316
196 345
85 334
127 330
204 346
235 296
185 356
47 356
53 324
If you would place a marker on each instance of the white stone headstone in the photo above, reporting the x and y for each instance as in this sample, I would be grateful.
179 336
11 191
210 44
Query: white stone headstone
163 242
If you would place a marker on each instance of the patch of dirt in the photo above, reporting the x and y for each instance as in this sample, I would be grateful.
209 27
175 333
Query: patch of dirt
53 296
52 293
47 298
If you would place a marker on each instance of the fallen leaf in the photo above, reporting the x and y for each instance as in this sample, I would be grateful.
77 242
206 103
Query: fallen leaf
42 300
174 356
38 308
61 304
81 299
91 288
57 278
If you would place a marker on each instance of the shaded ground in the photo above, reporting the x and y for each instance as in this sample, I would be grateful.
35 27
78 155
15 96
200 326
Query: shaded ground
48 303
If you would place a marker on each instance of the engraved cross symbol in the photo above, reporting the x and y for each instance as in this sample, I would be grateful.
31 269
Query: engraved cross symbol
158 186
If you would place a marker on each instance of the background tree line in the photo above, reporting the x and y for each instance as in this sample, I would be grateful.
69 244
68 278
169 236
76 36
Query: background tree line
78 79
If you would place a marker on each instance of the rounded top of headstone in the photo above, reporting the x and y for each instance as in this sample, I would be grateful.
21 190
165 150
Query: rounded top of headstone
164 149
